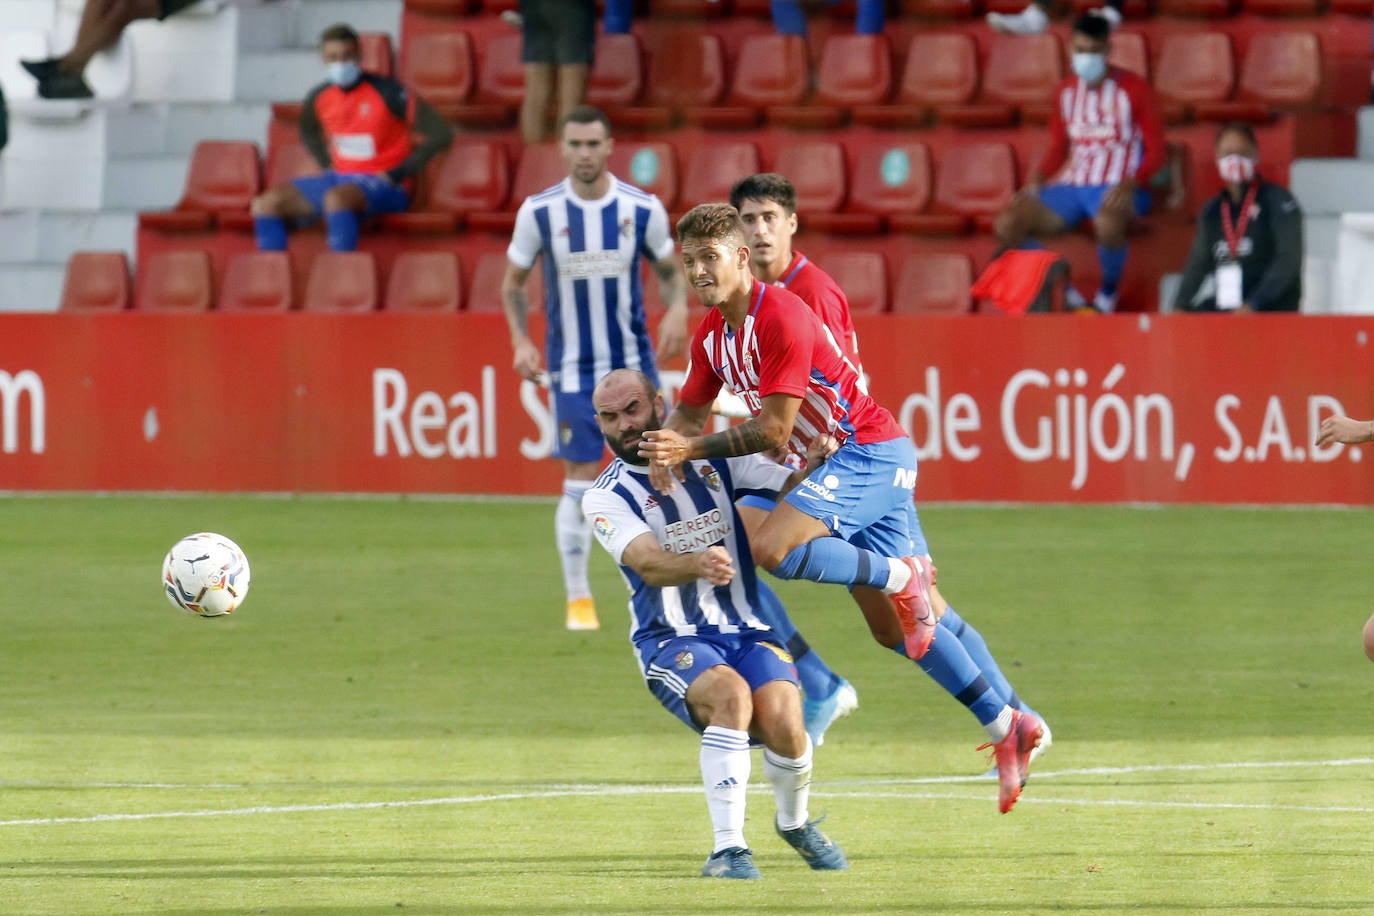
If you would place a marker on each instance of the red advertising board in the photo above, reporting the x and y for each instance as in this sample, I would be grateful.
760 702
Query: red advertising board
1139 408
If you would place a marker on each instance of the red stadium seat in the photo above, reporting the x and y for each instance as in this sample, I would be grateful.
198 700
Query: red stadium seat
854 70
688 9
342 282
686 69
1020 75
617 76
256 281
175 281
1214 9
651 166
941 70
1193 68
816 169
424 281
541 166
472 176
438 67
1282 70
862 275
1129 53
289 162
96 281
374 52
941 9
484 293
887 179
714 168
223 176
1282 7
770 70
500 84
974 183
934 284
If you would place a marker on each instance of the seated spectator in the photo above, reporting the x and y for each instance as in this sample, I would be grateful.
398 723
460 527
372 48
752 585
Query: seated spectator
1035 18
1106 142
1249 238
102 22
359 127
789 16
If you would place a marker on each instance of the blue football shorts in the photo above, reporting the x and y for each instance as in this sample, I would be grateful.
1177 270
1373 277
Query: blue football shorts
578 437
382 196
1074 203
866 495
679 661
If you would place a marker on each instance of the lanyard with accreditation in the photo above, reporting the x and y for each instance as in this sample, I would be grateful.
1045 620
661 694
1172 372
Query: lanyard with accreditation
1229 293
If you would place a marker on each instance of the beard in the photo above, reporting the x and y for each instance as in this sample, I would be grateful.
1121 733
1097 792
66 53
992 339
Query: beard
630 454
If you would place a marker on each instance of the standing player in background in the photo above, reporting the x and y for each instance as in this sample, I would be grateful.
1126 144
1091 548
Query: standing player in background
702 649
852 520
1350 431
591 230
767 204
359 128
1107 138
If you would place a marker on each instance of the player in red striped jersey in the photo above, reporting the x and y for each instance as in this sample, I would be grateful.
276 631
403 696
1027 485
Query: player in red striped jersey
1106 143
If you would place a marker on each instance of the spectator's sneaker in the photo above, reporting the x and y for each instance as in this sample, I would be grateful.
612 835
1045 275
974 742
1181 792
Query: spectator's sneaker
915 609
1030 733
1112 15
821 714
735 862
1007 754
819 851
40 69
1030 21
64 86
582 615
1103 303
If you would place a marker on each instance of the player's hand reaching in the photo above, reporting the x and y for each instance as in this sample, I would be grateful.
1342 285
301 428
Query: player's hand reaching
821 448
660 446
527 361
1345 429
713 565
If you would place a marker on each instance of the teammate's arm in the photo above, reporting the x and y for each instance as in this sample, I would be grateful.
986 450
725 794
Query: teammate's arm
672 330
516 303
659 568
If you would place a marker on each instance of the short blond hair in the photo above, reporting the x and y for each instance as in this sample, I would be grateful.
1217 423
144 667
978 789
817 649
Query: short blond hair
712 223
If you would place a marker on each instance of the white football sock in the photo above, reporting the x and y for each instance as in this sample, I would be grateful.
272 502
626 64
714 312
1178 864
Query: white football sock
791 779
999 727
574 536
725 765
899 574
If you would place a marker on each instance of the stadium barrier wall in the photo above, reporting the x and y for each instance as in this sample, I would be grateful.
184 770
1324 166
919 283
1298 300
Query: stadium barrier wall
1140 408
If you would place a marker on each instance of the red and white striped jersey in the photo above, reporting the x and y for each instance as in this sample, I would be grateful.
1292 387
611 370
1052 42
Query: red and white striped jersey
1103 134
783 348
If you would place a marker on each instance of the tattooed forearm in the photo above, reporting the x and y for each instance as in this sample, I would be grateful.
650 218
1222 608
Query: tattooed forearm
744 439
517 303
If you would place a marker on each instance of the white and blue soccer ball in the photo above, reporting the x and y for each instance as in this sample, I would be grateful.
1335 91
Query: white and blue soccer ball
206 574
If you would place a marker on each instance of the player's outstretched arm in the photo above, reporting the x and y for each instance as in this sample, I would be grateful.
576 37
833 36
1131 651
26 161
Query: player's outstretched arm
659 568
1345 429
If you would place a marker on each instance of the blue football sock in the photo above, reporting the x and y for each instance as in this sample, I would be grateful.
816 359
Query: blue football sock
948 662
341 228
816 677
1113 261
788 17
870 17
835 560
978 650
270 232
618 16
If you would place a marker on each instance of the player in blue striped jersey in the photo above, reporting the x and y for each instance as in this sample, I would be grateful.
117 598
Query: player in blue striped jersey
591 230
702 649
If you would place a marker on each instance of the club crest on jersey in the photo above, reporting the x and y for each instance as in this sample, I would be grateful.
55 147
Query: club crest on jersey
603 527
564 433
684 660
711 476
748 364
627 227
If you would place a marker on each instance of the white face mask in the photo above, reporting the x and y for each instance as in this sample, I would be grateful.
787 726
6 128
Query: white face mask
344 72
1089 65
1236 169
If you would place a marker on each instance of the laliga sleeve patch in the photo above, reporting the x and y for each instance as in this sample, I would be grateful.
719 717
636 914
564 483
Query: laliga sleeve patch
605 531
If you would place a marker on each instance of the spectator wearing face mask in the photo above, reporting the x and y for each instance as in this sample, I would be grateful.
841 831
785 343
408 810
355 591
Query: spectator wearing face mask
371 136
1248 240
1106 143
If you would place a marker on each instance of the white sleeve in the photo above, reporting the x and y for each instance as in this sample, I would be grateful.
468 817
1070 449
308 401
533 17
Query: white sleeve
658 238
614 523
525 243
755 472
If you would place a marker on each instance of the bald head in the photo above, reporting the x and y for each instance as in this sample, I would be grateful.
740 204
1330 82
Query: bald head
627 405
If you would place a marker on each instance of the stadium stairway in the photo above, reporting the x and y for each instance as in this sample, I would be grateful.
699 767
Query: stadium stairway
76 173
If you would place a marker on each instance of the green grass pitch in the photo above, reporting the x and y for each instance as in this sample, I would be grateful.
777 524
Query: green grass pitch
396 721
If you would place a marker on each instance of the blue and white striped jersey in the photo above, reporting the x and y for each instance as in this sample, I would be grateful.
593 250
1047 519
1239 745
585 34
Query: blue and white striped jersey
622 505
593 293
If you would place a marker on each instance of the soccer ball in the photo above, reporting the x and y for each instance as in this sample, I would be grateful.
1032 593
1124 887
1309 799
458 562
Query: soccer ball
205 574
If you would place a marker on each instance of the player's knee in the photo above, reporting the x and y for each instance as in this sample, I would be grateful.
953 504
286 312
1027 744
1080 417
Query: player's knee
343 197
768 553
1007 226
1110 229
1369 638
271 202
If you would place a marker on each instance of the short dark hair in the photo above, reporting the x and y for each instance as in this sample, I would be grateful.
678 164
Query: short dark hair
339 32
584 114
1237 127
715 223
1093 26
765 186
